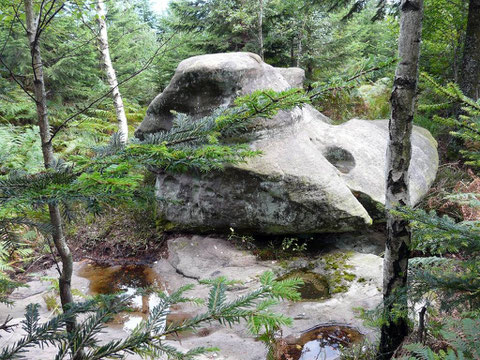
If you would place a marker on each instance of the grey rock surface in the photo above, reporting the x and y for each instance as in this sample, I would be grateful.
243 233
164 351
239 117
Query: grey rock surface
312 176
197 257
294 76
203 83
192 258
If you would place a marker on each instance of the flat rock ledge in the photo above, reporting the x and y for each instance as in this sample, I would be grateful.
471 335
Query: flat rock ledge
193 258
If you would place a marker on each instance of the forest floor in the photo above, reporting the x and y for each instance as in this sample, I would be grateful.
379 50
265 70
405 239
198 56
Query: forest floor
343 263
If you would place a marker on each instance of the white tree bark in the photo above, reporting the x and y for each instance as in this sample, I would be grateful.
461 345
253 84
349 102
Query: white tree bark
399 151
110 72
260 30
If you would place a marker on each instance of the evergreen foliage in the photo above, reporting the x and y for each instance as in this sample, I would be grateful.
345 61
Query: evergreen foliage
455 279
296 33
148 338
115 174
334 41
448 273
444 276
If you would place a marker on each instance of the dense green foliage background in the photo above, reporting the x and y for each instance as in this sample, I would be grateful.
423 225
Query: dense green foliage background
326 38
308 34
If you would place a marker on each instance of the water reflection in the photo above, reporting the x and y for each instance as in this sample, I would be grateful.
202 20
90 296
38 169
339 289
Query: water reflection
127 279
320 343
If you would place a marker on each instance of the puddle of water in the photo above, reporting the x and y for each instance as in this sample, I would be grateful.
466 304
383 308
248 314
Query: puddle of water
320 343
315 286
127 280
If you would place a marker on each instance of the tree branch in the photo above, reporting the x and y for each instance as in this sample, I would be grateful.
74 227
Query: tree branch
356 76
6 326
15 10
70 53
96 101
7 38
17 81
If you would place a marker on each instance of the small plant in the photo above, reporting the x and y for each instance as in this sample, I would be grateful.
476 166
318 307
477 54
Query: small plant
245 242
285 249
51 302
51 297
293 245
364 350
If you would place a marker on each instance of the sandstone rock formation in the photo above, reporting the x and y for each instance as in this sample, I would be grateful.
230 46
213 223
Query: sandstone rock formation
191 258
312 177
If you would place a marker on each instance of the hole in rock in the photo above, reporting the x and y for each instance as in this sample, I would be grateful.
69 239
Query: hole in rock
321 342
315 286
125 279
342 159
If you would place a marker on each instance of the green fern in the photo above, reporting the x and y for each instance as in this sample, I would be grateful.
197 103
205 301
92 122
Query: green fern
425 353
20 149
462 337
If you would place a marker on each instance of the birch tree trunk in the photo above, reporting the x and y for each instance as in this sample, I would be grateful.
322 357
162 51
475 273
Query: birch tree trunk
260 30
48 158
299 46
395 264
110 72
292 51
300 38
470 80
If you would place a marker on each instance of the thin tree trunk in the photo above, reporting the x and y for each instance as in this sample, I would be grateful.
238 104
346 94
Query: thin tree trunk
300 38
299 47
110 71
292 51
421 325
260 30
470 74
39 85
48 158
395 264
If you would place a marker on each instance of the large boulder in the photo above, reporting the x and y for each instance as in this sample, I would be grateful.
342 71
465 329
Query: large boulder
294 76
204 83
312 177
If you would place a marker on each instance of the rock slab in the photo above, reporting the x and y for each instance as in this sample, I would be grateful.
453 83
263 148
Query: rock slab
312 176
192 258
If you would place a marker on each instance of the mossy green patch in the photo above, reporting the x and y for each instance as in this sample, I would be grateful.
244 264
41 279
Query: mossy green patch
315 286
335 264
349 276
